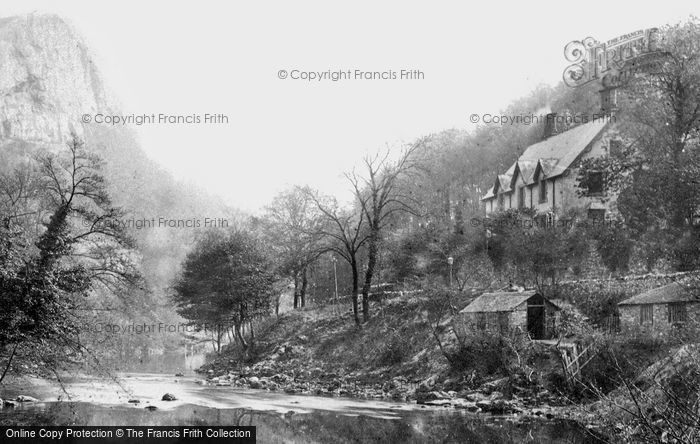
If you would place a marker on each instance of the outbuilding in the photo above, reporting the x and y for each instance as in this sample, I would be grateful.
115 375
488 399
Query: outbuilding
525 311
675 304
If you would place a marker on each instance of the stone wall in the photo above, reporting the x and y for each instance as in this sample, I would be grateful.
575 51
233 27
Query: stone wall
625 285
630 318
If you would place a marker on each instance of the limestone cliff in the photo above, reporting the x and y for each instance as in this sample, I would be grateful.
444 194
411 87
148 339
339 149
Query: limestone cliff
47 80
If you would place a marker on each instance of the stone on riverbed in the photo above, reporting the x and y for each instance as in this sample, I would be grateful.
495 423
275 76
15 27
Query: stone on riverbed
438 402
460 403
9 403
425 397
169 397
497 407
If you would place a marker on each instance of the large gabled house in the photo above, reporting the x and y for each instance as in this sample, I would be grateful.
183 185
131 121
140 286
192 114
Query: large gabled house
544 176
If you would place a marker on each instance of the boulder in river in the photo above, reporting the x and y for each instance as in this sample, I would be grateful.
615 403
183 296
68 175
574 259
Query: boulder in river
25 398
460 403
497 407
425 397
254 382
151 408
179 375
133 401
169 397
9 403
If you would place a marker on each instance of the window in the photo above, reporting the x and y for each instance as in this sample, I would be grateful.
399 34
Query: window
521 197
500 201
492 321
596 215
646 315
503 323
595 183
543 191
677 312
615 148
481 321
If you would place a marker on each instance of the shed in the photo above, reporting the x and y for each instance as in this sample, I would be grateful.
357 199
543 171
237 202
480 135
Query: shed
525 311
659 309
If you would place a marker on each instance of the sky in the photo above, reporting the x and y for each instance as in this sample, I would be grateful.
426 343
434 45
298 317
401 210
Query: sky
224 57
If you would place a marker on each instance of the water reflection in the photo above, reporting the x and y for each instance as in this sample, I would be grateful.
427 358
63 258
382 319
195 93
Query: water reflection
323 426
279 417
167 362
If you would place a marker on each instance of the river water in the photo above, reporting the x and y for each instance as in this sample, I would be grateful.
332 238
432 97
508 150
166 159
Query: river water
279 417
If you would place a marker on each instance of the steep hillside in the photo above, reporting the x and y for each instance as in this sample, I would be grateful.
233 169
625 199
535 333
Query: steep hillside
48 80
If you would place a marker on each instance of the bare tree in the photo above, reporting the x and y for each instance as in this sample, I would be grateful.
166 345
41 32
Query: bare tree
290 225
348 234
380 196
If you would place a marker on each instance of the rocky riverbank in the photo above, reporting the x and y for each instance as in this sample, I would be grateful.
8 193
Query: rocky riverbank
500 396
392 357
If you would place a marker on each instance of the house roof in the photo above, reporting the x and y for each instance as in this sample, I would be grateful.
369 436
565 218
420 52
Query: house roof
504 182
673 292
496 302
554 155
526 169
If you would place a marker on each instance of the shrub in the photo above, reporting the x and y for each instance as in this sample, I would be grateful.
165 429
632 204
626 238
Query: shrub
490 353
395 351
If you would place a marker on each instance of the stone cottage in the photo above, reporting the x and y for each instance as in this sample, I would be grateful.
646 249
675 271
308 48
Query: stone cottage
544 177
661 308
525 311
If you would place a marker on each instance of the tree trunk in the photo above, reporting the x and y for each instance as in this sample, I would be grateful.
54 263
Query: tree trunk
304 285
219 334
296 290
369 273
355 290
9 362
240 337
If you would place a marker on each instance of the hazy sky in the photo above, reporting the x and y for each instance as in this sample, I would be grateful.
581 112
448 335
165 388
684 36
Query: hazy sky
192 58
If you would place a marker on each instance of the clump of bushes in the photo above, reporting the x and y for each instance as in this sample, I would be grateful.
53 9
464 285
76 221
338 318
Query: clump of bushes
492 353
396 350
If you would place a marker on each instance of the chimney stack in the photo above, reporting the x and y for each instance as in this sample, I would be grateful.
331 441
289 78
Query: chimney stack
550 125
608 100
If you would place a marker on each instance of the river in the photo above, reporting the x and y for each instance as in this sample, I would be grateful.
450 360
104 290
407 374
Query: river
279 417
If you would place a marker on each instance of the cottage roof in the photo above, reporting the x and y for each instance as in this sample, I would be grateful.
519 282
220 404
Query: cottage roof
526 169
674 292
497 302
504 183
555 154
